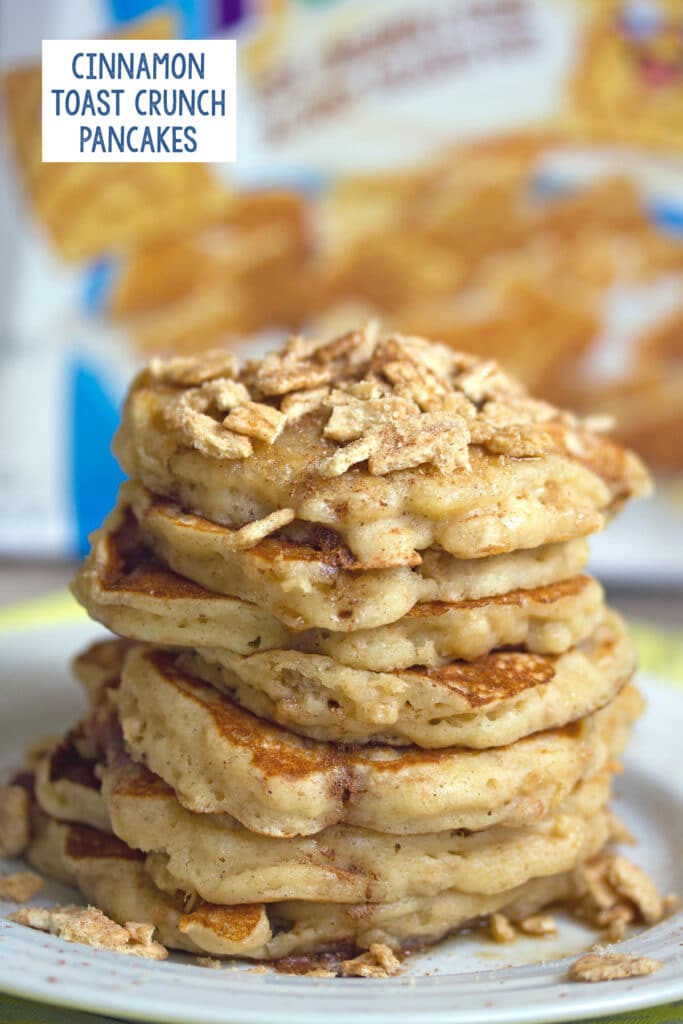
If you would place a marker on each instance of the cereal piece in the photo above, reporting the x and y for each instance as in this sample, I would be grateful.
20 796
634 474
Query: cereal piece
378 962
300 403
433 437
611 967
519 445
208 961
352 418
597 893
500 928
631 882
192 370
348 456
223 393
250 534
417 382
538 924
202 431
487 381
90 926
20 887
349 350
15 822
139 932
254 419
278 375
615 921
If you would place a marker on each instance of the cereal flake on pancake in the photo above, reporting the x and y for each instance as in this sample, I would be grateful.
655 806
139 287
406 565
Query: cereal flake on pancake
490 702
113 877
304 584
395 443
220 758
128 588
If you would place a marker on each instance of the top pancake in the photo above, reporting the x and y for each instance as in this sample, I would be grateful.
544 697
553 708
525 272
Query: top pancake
394 443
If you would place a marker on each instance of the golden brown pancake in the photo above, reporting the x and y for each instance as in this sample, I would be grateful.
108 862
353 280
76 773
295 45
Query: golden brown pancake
394 443
113 877
490 702
223 862
307 586
220 758
128 588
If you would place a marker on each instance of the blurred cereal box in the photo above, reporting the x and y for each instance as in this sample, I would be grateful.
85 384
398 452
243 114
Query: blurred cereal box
504 175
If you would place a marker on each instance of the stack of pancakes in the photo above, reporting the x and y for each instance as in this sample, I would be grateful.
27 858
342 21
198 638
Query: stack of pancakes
364 691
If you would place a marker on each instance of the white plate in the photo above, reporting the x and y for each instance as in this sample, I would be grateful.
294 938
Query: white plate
465 981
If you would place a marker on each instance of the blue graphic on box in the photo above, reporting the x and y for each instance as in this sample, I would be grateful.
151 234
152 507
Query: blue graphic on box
95 474
198 19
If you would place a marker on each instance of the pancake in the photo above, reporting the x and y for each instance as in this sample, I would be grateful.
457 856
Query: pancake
126 587
491 702
410 445
317 587
221 861
220 758
546 619
113 877
99 666
67 786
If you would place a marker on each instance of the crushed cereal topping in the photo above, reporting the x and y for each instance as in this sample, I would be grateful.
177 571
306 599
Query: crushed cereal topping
611 967
393 401
20 887
91 927
378 962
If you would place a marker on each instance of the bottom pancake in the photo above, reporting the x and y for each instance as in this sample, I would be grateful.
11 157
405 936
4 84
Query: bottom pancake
113 877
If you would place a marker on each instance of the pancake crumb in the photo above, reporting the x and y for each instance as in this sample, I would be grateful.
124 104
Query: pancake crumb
20 887
208 961
612 967
15 825
90 926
